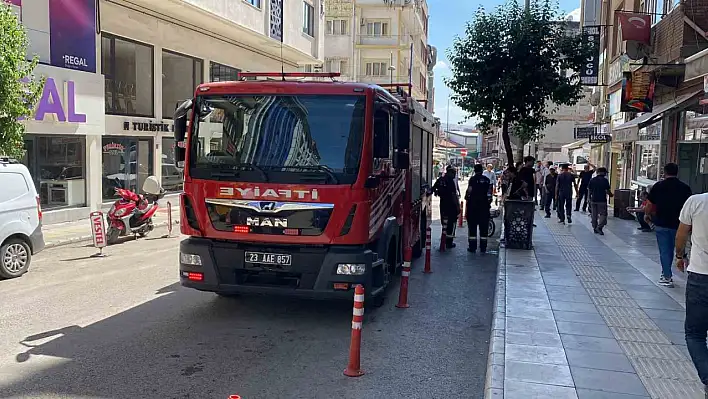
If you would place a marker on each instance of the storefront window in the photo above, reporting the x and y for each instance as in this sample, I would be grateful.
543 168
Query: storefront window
696 126
648 161
127 162
222 73
127 66
57 168
171 175
180 76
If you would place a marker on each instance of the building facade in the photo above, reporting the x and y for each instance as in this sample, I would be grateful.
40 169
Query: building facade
115 74
669 59
379 41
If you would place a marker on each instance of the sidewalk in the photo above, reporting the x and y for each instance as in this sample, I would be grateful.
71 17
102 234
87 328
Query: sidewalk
79 231
581 316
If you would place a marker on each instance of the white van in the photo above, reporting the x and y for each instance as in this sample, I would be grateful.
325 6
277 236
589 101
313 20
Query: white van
578 162
20 219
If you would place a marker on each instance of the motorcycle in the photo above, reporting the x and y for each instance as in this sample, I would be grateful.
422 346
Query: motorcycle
132 213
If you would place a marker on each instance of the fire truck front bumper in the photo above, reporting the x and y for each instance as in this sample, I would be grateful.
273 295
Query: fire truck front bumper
318 272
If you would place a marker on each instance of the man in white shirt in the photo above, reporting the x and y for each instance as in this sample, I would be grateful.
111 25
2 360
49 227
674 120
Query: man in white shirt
694 222
489 174
541 173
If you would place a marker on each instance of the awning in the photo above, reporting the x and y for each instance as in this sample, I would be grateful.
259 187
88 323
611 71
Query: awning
575 144
629 131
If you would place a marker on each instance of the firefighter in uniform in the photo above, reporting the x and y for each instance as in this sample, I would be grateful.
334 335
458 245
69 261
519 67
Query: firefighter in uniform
446 189
478 204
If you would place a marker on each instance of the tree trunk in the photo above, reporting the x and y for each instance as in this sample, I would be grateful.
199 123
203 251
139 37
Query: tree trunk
521 151
507 142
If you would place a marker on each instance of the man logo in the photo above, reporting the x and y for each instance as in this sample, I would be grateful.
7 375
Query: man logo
267 206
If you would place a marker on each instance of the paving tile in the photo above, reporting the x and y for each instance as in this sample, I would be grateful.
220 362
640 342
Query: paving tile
607 286
639 335
573 307
593 394
670 325
551 374
529 312
598 360
538 303
561 289
676 338
665 388
578 317
597 279
526 390
592 344
521 324
599 292
616 302
538 293
608 381
621 312
657 351
664 304
580 298
590 330
565 282
535 354
534 338
662 368
656 295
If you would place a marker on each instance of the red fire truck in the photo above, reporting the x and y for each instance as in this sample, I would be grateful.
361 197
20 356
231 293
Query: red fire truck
298 184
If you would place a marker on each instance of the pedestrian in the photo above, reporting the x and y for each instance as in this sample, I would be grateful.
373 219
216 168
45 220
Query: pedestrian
478 207
549 186
585 176
599 190
489 173
528 175
666 198
639 212
694 222
446 189
564 194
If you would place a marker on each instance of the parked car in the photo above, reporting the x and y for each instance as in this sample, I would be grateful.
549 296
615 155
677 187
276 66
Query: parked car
20 219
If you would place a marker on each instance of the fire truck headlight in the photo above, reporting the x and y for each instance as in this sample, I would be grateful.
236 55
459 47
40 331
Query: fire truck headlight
351 269
190 259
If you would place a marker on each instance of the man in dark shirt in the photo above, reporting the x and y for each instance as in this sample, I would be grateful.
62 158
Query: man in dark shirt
584 178
564 194
478 209
446 189
666 198
528 175
550 191
599 189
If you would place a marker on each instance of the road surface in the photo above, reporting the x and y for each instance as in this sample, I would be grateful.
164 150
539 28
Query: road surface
122 327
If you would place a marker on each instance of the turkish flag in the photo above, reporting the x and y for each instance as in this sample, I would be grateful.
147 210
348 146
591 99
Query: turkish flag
635 26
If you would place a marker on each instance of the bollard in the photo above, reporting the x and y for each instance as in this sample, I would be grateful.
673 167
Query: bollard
98 231
169 220
462 206
405 274
354 367
428 237
443 235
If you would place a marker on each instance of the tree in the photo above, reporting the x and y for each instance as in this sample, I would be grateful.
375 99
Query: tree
19 89
509 68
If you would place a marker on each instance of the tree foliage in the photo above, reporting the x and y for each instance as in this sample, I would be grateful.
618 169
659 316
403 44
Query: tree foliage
512 66
19 89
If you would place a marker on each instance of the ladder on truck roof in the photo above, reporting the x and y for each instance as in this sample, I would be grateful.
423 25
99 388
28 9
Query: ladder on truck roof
285 76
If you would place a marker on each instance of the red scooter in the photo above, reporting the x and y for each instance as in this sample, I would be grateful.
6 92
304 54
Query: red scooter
132 213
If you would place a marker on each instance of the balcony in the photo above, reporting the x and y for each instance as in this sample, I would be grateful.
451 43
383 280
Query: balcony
676 36
378 40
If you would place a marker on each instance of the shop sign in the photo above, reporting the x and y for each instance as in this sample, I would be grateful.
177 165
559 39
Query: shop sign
617 67
584 132
148 126
600 138
637 92
114 148
589 72
52 103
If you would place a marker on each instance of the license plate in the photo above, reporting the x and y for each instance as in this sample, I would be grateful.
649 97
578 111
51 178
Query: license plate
265 258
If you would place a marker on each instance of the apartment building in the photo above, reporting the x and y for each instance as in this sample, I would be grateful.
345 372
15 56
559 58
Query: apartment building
379 41
116 71
662 50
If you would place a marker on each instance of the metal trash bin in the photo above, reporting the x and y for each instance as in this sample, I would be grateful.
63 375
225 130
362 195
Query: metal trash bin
518 223
621 200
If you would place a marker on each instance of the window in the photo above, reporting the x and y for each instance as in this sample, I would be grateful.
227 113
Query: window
377 28
344 67
648 161
180 76
127 162
171 174
255 3
222 73
128 69
337 65
376 68
56 164
337 27
308 18
310 68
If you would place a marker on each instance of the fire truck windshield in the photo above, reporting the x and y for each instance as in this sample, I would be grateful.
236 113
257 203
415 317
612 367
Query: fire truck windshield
278 138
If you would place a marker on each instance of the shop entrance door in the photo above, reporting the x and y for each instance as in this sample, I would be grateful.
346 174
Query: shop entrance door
127 162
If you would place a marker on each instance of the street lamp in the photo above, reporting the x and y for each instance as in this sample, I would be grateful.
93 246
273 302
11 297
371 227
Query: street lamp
391 68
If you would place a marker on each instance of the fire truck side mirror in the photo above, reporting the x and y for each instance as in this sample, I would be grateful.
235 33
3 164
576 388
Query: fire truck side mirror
372 182
180 131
